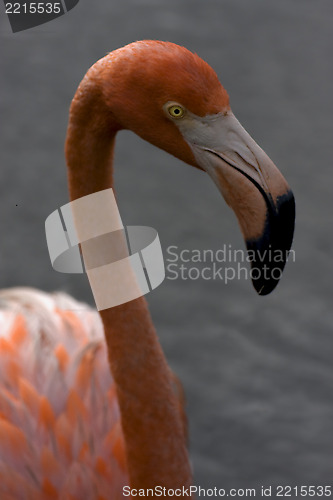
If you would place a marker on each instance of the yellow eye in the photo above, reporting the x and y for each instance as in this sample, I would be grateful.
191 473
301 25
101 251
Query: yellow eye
176 111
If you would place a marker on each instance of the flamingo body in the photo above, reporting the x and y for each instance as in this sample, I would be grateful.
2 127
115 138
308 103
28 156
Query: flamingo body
60 430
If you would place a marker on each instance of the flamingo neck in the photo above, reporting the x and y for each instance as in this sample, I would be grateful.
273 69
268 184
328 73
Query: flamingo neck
151 417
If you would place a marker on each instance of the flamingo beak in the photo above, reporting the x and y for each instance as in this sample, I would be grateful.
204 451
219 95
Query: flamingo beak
257 192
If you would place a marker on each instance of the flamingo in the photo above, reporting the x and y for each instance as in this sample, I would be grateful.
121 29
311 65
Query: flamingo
88 403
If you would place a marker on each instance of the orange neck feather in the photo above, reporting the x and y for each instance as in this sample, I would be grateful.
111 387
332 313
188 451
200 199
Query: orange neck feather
151 418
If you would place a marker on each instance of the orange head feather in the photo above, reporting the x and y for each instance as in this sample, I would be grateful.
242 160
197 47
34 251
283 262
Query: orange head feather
133 83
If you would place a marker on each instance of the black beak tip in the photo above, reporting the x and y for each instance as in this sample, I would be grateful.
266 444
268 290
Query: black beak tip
269 253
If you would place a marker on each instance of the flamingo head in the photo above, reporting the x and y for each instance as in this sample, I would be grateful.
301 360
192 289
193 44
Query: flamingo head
173 99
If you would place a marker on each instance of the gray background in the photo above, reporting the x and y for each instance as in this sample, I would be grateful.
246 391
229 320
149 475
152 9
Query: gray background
257 370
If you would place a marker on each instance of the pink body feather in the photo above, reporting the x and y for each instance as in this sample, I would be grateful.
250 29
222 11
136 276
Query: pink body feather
60 431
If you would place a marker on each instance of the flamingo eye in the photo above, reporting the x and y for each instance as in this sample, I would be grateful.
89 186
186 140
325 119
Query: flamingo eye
176 111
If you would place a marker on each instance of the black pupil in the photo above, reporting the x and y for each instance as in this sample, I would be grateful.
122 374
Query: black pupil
177 111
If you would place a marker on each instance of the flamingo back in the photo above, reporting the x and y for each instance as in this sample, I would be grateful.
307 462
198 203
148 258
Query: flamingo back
60 430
